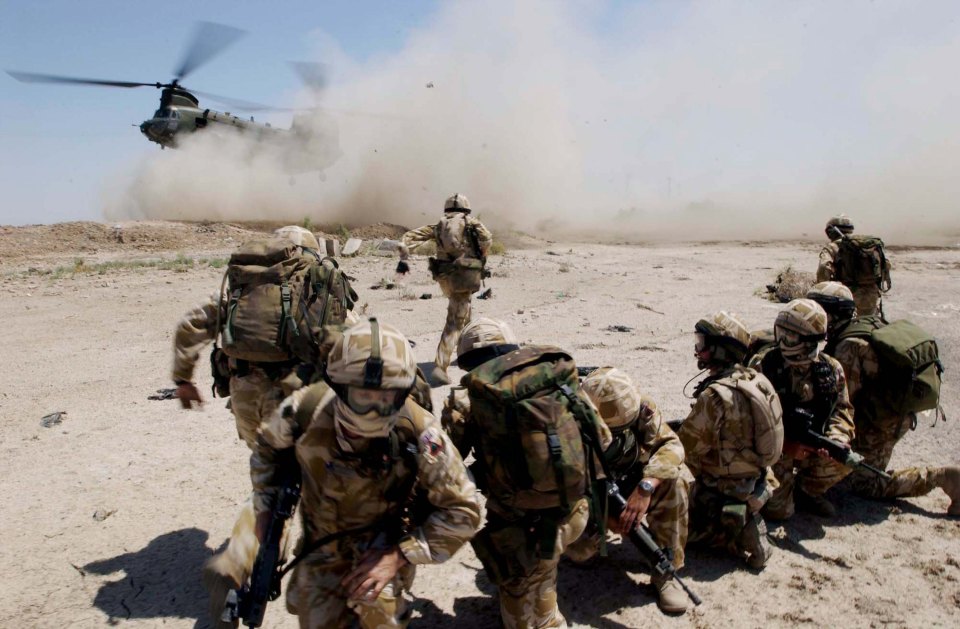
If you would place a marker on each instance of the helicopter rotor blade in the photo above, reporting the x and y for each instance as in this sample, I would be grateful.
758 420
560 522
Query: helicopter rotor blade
238 104
313 75
209 40
32 77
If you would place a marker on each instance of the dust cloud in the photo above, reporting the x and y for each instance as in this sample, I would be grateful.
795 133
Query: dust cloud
657 120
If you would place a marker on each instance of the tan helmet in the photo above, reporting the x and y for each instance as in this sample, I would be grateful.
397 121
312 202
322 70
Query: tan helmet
457 203
841 222
298 236
804 318
484 332
726 325
372 355
613 393
835 298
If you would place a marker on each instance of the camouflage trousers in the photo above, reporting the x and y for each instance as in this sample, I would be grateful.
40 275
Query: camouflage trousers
666 517
458 316
253 398
314 596
530 602
875 440
710 526
868 299
813 476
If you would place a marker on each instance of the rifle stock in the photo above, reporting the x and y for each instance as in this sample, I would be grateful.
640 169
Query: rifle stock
799 431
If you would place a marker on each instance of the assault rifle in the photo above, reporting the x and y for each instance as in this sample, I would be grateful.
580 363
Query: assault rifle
583 372
798 429
474 239
660 559
249 603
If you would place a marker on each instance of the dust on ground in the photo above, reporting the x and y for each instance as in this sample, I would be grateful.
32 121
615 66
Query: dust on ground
109 514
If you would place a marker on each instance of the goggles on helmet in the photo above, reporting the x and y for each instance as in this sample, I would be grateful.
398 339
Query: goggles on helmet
385 402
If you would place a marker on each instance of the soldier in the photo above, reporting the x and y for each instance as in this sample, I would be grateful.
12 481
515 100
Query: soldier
462 243
255 390
810 384
732 435
879 427
859 262
525 545
365 449
646 457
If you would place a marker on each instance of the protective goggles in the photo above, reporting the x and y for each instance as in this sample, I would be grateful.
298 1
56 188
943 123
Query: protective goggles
385 402
786 338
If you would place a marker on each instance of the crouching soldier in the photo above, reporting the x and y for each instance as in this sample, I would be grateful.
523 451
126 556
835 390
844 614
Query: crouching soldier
646 457
378 474
528 423
731 436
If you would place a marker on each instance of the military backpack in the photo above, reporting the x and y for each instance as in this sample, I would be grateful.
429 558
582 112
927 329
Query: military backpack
278 297
909 374
764 436
457 241
862 261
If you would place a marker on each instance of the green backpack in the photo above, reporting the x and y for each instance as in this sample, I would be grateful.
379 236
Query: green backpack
910 370
278 298
862 261
534 429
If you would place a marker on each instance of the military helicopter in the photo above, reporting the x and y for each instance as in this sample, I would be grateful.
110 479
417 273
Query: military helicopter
311 143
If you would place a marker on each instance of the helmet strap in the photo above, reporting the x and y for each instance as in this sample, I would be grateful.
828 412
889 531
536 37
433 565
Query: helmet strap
373 369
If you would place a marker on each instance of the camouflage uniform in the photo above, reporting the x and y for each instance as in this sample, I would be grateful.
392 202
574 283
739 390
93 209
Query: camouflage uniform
814 475
458 296
867 296
878 429
726 473
341 491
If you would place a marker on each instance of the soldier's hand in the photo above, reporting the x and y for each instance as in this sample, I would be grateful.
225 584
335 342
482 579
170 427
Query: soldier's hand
188 394
402 267
637 505
375 570
797 451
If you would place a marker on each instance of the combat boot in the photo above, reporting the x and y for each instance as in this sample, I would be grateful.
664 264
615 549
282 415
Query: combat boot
948 479
671 599
439 375
817 505
753 541
219 580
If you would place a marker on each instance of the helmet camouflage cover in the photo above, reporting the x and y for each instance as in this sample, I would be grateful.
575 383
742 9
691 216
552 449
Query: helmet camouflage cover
613 393
832 296
298 236
803 317
484 332
353 359
457 203
841 222
726 325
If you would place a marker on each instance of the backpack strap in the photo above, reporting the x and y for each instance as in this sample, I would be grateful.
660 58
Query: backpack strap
223 284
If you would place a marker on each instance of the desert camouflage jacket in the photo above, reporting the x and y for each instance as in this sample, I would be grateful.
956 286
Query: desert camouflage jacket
341 491
196 330
828 257
660 453
422 235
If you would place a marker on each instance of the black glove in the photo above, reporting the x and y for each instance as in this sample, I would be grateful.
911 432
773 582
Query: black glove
402 267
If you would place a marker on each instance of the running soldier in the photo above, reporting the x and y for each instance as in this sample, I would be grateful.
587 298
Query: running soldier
813 392
858 262
646 457
366 451
879 425
459 268
732 436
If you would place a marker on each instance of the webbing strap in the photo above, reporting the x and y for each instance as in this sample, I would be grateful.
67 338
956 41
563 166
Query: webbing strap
556 459
373 370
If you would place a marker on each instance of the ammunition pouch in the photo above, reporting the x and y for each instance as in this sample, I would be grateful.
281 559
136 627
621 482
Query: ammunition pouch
733 517
220 368
465 273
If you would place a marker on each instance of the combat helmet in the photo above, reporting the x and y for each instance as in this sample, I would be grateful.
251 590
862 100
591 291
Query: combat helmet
483 339
835 298
841 222
457 203
725 335
298 236
371 355
616 398
800 329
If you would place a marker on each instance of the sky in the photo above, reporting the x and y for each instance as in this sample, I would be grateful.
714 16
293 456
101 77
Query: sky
720 118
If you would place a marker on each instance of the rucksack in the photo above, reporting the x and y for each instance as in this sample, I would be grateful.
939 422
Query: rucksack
278 298
530 415
464 266
765 410
451 234
909 374
862 261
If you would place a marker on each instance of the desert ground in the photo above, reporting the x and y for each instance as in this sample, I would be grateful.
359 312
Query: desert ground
110 514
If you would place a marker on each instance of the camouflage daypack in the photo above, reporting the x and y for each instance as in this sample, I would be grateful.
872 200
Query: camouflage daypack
464 266
530 415
278 298
909 374
764 437
862 261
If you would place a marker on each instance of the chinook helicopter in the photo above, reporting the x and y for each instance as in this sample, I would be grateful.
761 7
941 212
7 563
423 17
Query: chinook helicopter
311 143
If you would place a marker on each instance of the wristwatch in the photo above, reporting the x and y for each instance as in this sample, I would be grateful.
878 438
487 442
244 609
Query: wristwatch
646 487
